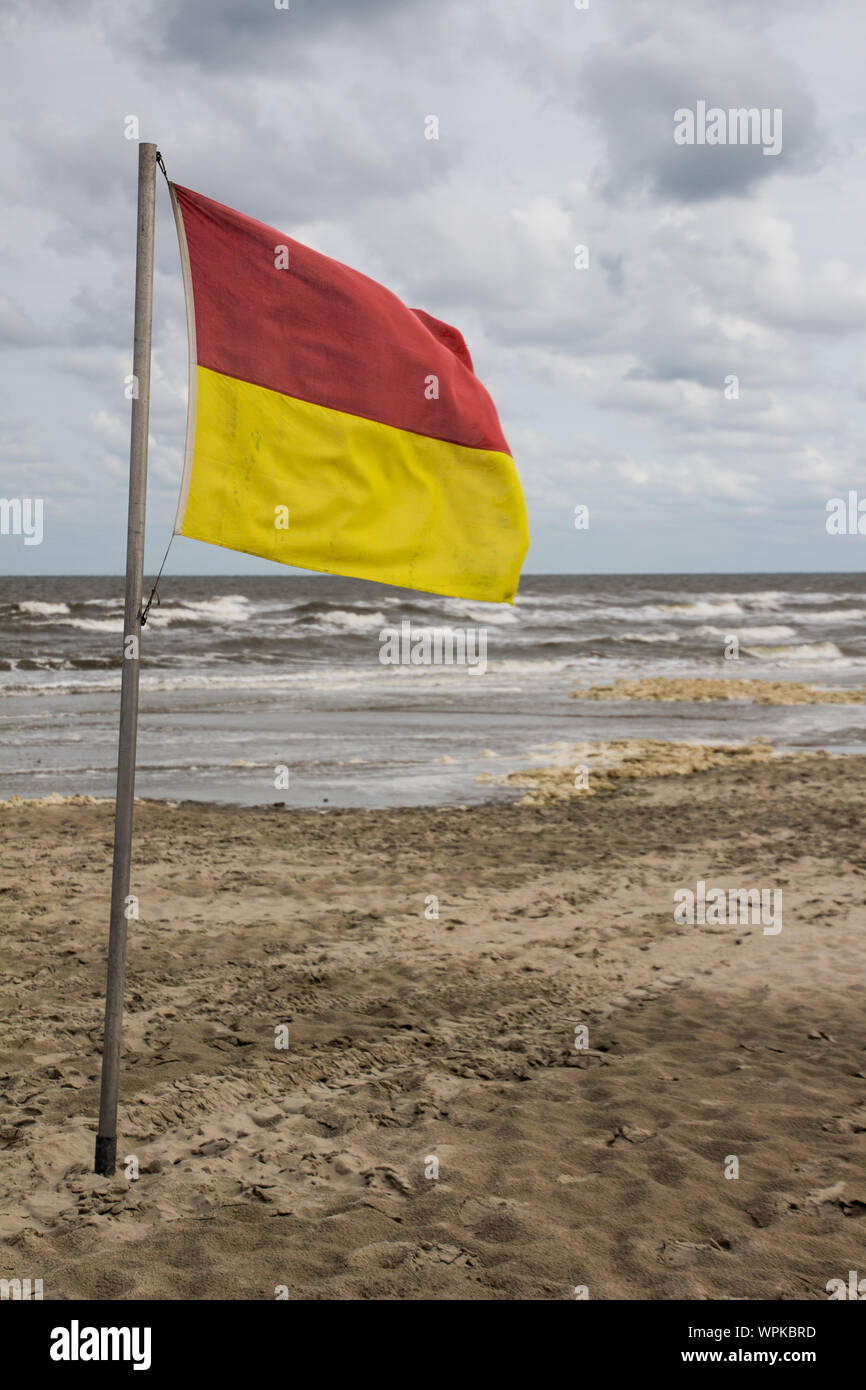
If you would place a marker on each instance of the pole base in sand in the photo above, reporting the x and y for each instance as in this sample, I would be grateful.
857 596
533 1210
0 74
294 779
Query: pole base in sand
106 1155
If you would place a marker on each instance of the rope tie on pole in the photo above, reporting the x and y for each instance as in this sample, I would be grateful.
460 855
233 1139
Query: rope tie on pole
153 594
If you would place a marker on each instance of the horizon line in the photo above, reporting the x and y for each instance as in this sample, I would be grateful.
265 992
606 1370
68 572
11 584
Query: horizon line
527 574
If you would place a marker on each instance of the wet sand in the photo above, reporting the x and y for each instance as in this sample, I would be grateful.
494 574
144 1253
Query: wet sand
418 1045
703 690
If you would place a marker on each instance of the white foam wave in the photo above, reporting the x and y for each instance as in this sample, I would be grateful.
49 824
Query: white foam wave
767 598
841 615
329 678
345 620
705 608
229 608
772 632
805 651
646 613
497 614
41 610
93 624
554 616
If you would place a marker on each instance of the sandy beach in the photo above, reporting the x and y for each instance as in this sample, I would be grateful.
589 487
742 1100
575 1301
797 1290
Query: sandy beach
420 1045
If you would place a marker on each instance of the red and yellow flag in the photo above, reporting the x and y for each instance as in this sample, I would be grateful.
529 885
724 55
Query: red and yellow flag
331 427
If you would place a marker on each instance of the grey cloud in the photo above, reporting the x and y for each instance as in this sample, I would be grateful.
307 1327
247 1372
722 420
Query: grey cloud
102 318
253 149
16 329
228 35
661 58
632 90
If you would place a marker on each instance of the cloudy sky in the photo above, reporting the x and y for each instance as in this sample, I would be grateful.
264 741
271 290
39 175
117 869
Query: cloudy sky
556 130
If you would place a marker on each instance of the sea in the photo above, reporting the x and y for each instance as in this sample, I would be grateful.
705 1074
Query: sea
274 689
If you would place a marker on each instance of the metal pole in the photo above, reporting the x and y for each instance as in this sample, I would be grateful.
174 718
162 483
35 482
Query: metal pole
106 1138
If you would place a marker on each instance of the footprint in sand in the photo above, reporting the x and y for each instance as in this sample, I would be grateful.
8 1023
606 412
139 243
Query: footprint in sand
352 1170
495 1219
686 1252
393 1254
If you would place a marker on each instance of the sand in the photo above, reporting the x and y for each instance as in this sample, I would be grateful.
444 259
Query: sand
414 1039
707 689
559 771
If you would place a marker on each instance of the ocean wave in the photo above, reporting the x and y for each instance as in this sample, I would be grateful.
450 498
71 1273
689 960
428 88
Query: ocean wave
329 678
771 633
553 600
841 615
346 620
705 608
93 624
229 608
666 611
762 598
771 599
555 617
822 596
497 614
640 613
37 609
805 651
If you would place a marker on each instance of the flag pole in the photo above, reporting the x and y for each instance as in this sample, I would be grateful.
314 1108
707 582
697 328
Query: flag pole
106 1138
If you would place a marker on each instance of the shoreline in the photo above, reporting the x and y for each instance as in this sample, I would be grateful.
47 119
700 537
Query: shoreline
721 690
548 766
